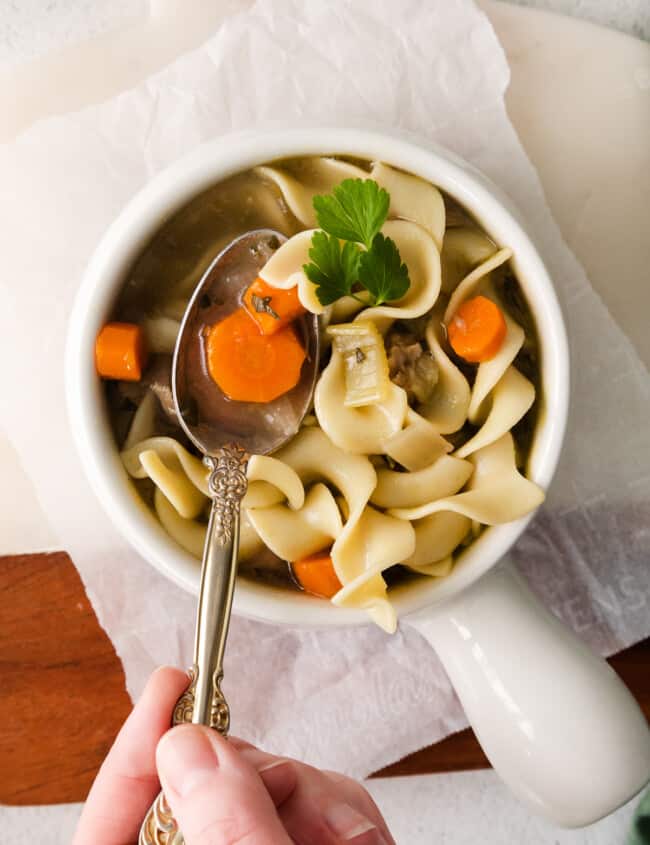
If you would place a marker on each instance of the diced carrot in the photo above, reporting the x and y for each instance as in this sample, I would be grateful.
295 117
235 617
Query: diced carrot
121 352
477 330
249 366
316 575
272 308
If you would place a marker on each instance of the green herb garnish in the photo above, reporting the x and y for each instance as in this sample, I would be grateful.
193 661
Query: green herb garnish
354 213
334 268
382 272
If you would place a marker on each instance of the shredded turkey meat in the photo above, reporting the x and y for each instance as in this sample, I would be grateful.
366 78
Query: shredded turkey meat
410 365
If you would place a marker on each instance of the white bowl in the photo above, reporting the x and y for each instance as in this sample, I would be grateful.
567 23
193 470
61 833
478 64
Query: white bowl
144 215
555 721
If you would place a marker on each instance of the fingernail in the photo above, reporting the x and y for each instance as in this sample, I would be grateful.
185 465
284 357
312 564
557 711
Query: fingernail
272 765
346 822
255 757
262 761
186 758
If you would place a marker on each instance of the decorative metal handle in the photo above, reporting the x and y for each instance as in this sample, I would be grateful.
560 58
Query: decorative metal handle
203 702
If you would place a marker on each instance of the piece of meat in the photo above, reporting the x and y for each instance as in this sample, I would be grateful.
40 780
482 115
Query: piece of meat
410 365
159 376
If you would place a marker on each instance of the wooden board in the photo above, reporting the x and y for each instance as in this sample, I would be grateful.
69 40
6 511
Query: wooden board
63 697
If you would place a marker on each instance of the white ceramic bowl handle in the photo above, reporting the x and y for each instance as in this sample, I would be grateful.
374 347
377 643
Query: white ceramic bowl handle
555 721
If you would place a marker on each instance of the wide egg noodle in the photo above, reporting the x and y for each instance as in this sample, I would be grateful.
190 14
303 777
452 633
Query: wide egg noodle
321 175
490 372
511 399
182 477
420 254
262 468
369 541
463 249
437 569
284 270
471 282
296 534
347 307
363 430
417 445
143 422
190 533
436 538
369 592
261 494
445 476
446 410
411 198
181 495
378 541
314 457
497 493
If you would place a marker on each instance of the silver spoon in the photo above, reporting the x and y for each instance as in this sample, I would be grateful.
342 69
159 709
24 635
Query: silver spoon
226 433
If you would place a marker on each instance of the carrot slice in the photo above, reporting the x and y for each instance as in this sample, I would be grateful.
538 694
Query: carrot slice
249 366
477 330
121 352
316 575
272 308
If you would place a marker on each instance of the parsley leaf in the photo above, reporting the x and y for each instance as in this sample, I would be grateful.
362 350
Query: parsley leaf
354 211
382 272
333 268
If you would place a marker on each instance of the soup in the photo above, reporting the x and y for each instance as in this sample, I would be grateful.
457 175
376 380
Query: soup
428 385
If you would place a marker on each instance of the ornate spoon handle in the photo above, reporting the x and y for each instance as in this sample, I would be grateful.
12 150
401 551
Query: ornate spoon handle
203 702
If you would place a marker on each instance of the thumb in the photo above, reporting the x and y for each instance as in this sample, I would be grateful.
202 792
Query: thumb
216 796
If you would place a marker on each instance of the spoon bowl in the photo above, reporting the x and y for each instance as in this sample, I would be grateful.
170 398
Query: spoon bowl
207 416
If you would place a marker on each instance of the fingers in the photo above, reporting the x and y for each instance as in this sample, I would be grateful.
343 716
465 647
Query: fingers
278 774
221 793
359 797
215 794
127 782
317 808
319 811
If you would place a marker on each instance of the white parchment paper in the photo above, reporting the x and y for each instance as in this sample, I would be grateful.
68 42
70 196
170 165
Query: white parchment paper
453 809
351 700
32 28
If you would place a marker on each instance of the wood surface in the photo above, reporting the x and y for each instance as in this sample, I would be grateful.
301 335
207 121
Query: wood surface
62 693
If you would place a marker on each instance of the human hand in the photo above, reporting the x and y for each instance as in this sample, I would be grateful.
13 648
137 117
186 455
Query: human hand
222 792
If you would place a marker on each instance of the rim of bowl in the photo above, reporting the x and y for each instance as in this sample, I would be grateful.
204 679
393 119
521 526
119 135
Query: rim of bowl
165 194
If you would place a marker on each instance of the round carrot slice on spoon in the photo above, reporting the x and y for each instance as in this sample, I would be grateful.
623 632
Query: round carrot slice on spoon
249 366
